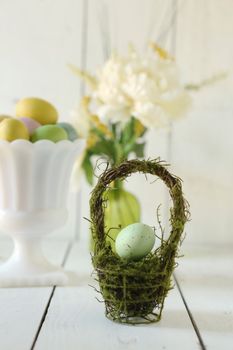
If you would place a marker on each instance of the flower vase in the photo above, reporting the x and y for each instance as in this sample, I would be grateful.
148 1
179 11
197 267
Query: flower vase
123 209
34 182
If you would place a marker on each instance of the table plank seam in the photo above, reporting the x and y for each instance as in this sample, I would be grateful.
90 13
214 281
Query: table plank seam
43 318
195 326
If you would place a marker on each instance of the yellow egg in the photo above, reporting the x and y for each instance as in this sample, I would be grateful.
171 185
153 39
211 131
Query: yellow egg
13 129
4 116
36 108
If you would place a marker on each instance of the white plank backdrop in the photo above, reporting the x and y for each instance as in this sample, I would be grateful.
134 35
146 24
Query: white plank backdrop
39 38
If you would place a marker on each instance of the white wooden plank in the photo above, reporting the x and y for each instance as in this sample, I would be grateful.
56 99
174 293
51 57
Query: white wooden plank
206 280
35 56
202 143
76 320
21 309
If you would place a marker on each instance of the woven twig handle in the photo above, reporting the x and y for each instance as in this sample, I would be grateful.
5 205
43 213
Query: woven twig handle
179 212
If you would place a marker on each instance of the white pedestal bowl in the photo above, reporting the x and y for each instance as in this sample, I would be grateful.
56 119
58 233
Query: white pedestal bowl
34 183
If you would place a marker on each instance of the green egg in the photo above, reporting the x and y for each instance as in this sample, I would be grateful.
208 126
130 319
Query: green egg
70 130
49 132
135 241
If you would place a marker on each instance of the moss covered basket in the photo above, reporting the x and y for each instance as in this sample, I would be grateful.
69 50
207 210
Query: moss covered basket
134 292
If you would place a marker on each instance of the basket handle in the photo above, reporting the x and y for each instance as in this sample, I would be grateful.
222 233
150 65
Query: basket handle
179 211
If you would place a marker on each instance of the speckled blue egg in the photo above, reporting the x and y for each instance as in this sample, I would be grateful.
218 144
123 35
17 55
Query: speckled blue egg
70 130
135 241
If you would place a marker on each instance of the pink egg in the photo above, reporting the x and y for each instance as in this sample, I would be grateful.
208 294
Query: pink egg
31 124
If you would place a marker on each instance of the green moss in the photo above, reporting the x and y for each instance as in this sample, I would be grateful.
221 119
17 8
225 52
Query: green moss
134 292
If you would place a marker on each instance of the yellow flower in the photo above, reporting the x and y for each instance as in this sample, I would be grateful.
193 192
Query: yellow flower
100 126
138 128
92 140
88 78
161 52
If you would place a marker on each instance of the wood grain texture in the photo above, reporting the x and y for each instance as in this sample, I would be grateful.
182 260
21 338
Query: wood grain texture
21 309
206 280
76 320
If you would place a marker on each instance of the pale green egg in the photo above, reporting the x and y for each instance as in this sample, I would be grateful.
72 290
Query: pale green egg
135 241
49 132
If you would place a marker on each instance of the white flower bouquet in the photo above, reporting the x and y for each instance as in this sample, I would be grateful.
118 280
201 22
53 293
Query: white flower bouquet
128 95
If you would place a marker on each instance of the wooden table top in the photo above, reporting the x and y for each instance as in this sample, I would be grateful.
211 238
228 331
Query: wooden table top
198 312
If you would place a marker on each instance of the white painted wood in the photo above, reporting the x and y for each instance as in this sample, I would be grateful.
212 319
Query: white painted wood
206 279
21 309
38 39
45 36
76 320
49 35
202 143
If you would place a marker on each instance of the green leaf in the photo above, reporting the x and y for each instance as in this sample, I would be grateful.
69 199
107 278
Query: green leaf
88 168
104 147
114 128
99 133
139 149
129 148
133 147
128 133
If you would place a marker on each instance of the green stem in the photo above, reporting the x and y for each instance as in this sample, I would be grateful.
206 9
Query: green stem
117 185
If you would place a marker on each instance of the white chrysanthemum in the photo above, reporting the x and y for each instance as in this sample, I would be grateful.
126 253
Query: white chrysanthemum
175 103
109 87
140 87
150 114
113 113
145 87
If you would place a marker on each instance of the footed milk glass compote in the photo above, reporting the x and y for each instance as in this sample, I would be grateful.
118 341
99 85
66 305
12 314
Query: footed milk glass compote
34 182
